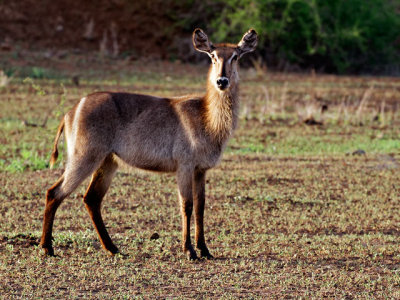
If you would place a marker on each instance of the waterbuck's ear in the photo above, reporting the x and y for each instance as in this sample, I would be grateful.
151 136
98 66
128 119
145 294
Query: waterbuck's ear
201 42
248 42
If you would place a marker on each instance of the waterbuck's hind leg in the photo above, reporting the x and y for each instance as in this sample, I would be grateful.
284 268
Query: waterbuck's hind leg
77 170
184 179
98 187
53 201
199 203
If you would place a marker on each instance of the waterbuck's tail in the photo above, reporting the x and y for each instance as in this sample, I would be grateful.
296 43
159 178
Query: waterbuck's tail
54 154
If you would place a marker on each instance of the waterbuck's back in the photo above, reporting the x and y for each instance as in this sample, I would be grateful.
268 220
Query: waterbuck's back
144 131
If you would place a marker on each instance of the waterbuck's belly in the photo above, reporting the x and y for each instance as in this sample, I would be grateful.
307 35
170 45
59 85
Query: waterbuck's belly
165 147
148 155
168 157
152 165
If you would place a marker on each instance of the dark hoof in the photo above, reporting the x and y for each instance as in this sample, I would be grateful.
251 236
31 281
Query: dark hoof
48 250
191 254
206 254
113 251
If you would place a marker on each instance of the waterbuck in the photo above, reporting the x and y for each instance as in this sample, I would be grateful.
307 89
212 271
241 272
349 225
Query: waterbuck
185 135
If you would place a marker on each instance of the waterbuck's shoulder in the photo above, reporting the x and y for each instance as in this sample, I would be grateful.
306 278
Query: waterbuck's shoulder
187 103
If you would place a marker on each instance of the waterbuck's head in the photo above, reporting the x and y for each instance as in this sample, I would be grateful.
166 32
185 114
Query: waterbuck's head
224 57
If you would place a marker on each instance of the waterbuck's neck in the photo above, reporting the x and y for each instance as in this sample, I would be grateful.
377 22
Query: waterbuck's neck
221 110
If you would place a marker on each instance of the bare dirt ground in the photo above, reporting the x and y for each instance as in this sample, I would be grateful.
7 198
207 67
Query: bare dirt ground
305 202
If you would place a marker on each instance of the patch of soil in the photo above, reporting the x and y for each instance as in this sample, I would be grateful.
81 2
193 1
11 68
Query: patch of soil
282 181
311 121
20 240
334 231
109 26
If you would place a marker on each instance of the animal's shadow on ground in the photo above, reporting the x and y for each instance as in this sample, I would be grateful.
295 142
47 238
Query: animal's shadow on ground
20 240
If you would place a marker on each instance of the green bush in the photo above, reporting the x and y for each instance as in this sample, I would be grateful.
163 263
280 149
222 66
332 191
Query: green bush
334 36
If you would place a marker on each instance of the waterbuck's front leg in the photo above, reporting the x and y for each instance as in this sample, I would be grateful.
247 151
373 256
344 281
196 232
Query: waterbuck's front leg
199 181
184 179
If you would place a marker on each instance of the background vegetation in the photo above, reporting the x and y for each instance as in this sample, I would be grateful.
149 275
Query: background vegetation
334 36
343 36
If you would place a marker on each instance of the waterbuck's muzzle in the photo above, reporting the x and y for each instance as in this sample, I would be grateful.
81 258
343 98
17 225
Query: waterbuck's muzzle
222 83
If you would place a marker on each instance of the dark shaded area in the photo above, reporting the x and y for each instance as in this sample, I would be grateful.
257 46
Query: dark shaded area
20 240
112 27
344 36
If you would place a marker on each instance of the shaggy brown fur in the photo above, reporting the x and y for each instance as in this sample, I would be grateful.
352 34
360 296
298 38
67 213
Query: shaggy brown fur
185 135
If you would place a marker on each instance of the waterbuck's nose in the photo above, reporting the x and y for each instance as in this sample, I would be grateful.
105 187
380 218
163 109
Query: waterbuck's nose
223 83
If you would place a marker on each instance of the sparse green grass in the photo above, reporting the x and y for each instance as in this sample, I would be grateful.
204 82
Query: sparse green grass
302 140
291 212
